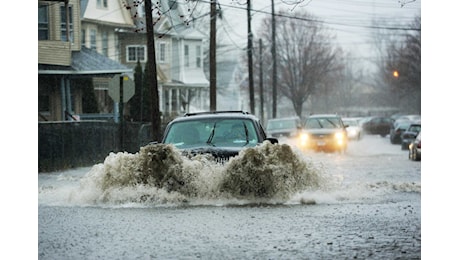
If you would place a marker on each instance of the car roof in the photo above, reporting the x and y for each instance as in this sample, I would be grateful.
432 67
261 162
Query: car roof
216 114
324 115
284 118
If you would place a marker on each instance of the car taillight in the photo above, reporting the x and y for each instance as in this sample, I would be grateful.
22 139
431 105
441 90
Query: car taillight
419 145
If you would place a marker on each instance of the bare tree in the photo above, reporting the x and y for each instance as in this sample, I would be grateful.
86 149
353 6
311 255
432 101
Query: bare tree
305 55
400 68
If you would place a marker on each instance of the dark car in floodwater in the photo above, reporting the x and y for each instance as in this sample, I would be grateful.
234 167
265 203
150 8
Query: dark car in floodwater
397 130
409 135
415 148
377 125
222 134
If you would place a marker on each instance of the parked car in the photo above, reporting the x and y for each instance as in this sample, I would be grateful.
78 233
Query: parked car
377 125
284 127
397 130
354 129
408 118
409 135
220 133
324 133
415 148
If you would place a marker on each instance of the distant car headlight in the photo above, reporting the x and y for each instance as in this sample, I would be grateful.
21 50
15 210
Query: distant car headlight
303 138
340 138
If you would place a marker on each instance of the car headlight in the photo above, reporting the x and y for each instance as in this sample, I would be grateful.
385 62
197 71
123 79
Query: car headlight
340 138
303 139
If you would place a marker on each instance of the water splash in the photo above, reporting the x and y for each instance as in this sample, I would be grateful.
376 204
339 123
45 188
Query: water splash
160 174
269 171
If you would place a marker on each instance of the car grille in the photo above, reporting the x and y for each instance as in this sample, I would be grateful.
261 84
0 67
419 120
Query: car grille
322 136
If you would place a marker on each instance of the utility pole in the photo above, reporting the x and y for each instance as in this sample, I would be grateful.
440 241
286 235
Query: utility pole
261 82
274 81
152 71
251 79
121 122
212 58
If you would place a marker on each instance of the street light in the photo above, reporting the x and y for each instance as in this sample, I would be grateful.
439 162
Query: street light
395 74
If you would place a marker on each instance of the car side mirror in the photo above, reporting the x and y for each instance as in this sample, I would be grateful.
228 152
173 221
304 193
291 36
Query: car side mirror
272 140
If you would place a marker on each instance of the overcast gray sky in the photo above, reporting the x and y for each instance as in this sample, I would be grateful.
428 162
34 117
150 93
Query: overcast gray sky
349 20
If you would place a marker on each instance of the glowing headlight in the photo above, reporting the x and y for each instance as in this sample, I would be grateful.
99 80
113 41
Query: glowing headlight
303 137
339 136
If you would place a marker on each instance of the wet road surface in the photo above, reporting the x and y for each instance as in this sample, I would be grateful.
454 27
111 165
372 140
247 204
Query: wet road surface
366 206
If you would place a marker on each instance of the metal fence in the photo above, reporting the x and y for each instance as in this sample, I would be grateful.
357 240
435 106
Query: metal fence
63 145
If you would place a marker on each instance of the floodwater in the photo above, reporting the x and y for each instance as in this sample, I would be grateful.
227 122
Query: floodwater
271 202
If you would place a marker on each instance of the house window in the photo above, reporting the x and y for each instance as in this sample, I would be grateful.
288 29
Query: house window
101 3
83 37
43 25
186 56
64 24
135 53
105 44
92 36
198 56
162 54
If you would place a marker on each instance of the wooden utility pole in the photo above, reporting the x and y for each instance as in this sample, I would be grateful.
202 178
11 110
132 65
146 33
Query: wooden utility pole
274 80
251 79
152 71
261 82
212 58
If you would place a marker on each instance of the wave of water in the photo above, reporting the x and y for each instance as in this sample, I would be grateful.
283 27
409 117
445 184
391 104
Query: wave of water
160 175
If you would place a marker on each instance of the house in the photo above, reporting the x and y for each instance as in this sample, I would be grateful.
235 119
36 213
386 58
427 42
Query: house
100 22
65 66
182 84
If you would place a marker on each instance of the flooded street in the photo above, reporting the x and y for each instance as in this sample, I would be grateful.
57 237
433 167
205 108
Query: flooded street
365 204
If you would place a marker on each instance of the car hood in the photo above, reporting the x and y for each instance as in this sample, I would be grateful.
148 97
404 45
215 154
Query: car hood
216 152
323 131
286 131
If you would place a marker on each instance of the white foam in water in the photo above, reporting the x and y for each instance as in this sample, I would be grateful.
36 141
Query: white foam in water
159 175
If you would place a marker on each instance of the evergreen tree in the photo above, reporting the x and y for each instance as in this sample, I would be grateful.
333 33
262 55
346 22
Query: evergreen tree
89 100
137 100
147 97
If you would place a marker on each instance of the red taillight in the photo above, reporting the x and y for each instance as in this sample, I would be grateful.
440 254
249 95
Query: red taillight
419 145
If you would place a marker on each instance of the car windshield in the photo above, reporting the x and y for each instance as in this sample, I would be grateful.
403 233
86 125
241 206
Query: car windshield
212 132
414 128
403 125
330 122
281 124
350 122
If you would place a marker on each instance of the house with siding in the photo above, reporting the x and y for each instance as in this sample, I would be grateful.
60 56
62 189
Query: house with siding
101 20
65 65
182 84
100 39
